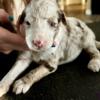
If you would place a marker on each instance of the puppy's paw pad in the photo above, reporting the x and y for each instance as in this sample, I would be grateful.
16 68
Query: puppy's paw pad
21 87
94 65
3 89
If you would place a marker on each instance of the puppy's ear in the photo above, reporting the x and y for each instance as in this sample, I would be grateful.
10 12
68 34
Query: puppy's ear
61 17
20 26
21 18
28 1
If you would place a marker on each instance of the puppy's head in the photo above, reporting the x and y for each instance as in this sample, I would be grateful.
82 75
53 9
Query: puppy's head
40 22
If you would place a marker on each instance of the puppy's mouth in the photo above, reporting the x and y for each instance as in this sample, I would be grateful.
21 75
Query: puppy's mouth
39 47
42 49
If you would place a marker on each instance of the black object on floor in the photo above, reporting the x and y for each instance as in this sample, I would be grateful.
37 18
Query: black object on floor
72 81
95 6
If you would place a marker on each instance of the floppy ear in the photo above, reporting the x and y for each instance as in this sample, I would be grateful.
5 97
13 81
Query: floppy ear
28 1
62 17
20 25
21 18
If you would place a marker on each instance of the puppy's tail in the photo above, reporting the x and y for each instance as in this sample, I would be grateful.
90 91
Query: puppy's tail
97 44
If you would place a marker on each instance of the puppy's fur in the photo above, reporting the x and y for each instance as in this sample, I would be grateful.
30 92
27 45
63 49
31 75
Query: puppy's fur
63 38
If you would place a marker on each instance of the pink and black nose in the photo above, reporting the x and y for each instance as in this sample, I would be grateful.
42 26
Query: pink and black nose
38 43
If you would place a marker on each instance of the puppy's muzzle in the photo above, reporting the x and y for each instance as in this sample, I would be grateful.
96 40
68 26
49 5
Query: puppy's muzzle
38 43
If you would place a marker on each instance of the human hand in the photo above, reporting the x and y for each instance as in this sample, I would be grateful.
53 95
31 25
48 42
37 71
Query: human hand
3 16
8 40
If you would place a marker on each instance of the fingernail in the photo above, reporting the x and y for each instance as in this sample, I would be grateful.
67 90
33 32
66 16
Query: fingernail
11 18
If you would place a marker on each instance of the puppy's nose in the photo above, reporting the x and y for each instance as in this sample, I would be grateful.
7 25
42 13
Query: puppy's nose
38 43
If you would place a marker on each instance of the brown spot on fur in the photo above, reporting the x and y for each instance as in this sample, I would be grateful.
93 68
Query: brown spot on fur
79 25
47 66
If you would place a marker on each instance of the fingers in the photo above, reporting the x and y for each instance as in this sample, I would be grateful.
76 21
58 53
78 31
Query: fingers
12 41
5 50
4 16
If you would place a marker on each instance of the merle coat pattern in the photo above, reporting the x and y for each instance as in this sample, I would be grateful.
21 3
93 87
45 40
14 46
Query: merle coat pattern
53 39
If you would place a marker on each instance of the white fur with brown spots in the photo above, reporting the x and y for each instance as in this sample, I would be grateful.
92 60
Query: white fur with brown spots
53 39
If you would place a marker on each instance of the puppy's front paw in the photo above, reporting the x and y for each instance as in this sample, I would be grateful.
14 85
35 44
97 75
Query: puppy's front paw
94 65
20 86
3 88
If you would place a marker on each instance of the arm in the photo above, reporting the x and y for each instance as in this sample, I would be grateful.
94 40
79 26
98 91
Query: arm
9 39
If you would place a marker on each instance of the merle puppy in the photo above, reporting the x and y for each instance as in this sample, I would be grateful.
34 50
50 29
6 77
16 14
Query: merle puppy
53 39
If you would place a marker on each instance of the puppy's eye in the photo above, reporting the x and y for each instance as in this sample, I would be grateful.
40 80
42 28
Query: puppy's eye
52 24
27 23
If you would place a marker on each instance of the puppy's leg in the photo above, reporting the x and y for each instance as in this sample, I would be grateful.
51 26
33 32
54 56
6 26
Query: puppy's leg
20 65
94 63
23 85
90 45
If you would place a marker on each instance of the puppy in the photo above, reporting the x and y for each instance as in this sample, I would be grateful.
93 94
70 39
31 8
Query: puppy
53 39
